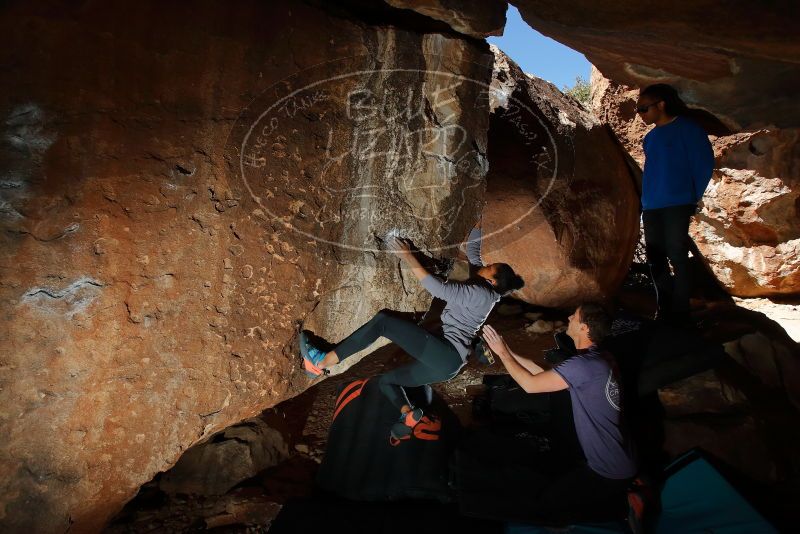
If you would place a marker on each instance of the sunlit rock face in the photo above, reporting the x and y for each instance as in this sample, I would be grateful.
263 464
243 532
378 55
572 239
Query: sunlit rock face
561 202
739 62
748 230
748 227
475 18
181 190
614 104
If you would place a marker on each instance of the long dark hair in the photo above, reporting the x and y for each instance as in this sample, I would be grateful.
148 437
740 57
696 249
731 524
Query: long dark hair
673 105
507 280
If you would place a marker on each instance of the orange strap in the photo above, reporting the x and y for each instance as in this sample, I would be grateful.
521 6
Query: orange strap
352 391
428 428
349 387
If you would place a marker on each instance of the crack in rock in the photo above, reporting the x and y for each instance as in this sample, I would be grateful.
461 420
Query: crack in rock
76 297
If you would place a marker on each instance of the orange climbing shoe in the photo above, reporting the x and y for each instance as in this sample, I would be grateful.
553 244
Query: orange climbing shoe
402 430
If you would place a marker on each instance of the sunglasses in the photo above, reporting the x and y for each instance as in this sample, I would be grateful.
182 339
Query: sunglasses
643 109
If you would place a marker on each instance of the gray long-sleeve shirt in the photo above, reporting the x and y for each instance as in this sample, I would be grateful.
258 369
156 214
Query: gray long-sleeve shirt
473 248
468 304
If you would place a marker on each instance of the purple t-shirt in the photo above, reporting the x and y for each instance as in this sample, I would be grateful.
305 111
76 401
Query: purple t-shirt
595 397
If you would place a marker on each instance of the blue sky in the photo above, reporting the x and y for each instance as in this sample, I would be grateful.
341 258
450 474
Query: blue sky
540 55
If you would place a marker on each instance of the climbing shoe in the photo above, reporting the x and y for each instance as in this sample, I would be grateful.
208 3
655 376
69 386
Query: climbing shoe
312 357
402 430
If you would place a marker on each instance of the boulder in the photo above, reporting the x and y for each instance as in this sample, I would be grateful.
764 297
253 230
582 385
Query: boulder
182 189
226 459
767 359
561 201
475 18
748 230
735 440
772 358
740 61
701 393
614 104
787 315
758 342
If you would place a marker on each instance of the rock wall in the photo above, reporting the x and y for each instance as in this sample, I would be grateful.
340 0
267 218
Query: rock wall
237 453
739 61
475 18
561 202
181 189
748 229
614 104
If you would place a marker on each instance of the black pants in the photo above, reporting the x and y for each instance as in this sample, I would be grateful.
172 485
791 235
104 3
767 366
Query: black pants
437 358
501 476
666 235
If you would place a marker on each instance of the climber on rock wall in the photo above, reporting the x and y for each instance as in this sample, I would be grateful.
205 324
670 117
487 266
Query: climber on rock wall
678 164
438 357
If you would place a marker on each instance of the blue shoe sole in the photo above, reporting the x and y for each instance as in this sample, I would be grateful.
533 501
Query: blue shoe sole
311 368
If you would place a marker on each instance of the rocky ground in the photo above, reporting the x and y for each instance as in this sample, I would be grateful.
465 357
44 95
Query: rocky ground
785 313
304 423
736 411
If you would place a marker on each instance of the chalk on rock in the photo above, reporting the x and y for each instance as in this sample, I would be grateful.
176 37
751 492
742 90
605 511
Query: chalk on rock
384 240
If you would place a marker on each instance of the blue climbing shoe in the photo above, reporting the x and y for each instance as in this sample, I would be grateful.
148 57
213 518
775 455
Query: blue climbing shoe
312 357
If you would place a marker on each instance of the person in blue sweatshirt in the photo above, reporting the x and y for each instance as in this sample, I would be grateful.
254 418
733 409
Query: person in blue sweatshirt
678 164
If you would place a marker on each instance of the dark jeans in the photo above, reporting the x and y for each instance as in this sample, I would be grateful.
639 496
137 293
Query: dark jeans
437 359
504 477
666 235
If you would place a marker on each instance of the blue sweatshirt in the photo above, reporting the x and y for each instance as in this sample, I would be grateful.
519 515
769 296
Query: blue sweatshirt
678 164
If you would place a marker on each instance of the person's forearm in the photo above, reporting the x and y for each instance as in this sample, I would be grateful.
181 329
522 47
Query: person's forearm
530 377
520 374
416 267
530 365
